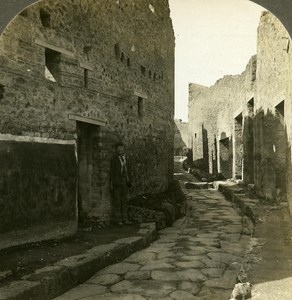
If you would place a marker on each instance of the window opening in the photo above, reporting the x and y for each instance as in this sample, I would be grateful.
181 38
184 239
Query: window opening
117 50
45 18
143 70
52 65
2 91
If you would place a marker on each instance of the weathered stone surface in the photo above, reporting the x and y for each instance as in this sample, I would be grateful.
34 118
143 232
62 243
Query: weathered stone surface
136 243
193 257
169 230
165 254
22 290
208 293
82 291
169 211
226 282
137 275
157 265
111 296
84 266
54 279
120 268
178 295
206 241
190 287
231 237
233 248
187 275
195 250
213 272
141 256
196 185
224 257
108 279
148 288
190 264
160 247
212 263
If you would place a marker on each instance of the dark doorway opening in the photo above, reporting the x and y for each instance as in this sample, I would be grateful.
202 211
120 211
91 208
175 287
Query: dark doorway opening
88 166
238 144
248 143
225 157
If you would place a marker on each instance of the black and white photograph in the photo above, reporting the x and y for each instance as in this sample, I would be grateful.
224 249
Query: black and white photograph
145 150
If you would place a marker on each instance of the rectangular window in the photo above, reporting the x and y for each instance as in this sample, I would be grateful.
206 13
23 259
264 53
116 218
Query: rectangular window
143 70
2 91
52 65
238 143
45 18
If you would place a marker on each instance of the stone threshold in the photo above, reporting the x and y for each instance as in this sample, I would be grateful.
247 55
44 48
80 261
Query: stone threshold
50 282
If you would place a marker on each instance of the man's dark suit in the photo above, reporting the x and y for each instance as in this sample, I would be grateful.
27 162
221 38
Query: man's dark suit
120 180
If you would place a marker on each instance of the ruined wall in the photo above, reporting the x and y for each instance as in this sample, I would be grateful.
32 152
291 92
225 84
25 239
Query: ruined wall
253 110
272 109
109 63
212 113
181 136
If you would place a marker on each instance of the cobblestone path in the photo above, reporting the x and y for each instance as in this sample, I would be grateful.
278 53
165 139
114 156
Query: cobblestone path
196 258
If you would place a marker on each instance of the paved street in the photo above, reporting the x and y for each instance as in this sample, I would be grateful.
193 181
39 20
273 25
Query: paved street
196 258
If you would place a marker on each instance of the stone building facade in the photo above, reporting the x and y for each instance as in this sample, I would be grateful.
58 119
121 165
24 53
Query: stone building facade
241 126
181 137
76 76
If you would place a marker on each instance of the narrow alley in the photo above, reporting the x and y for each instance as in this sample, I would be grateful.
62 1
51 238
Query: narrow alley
145 150
197 258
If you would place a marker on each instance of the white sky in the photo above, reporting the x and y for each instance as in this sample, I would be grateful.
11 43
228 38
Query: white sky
213 38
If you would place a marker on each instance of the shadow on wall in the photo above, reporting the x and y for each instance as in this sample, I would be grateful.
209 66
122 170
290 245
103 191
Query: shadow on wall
180 147
215 157
271 155
225 155
205 148
259 150
202 163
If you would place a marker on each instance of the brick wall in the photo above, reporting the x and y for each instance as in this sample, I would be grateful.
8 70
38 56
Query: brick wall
105 57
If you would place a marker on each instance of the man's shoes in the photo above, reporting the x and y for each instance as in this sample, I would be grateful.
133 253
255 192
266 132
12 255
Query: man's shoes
127 222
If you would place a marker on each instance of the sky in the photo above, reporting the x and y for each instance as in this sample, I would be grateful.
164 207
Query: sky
213 38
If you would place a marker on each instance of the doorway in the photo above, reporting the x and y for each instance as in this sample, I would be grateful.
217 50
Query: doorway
87 139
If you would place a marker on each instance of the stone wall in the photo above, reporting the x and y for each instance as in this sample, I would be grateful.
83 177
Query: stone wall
181 136
212 113
251 113
272 109
93 73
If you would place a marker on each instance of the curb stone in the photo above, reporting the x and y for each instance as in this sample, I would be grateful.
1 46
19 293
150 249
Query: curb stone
252 213
247 205
52 281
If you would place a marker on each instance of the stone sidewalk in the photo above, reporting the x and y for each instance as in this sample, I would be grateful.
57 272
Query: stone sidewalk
197 258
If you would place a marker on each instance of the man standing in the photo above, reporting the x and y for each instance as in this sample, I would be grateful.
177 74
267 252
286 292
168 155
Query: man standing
120 181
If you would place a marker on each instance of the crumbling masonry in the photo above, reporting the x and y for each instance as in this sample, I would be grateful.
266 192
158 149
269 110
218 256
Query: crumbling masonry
241 126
